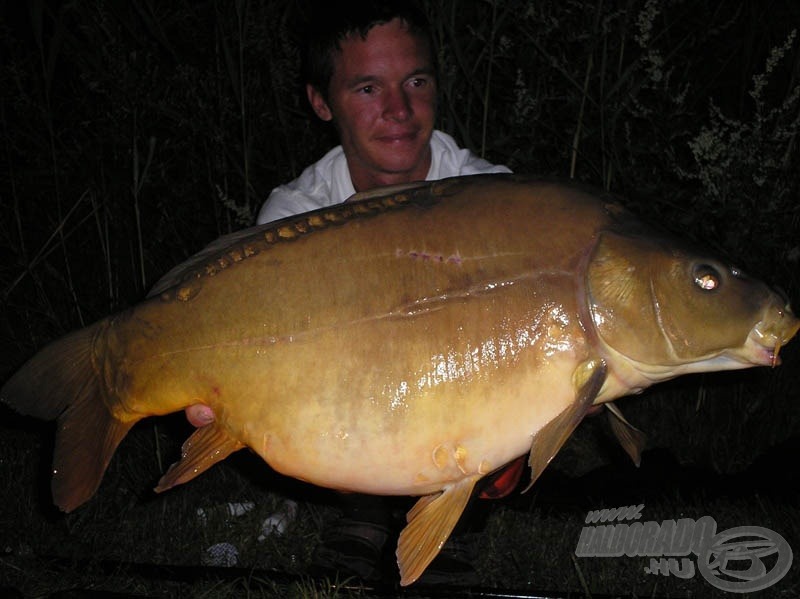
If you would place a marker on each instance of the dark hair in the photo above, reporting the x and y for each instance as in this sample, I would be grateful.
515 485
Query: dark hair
332 21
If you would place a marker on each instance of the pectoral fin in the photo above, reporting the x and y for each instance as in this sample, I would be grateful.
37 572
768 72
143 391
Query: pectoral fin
430 523
207 446
630 437
589 378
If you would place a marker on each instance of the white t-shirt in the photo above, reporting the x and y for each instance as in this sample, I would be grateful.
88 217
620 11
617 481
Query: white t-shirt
328 182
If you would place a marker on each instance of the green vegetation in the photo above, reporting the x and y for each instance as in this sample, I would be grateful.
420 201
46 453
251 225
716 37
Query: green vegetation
133 133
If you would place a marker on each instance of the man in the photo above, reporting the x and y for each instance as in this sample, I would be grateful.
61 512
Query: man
369 70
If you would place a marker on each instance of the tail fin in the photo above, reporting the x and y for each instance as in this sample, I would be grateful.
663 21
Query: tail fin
61 382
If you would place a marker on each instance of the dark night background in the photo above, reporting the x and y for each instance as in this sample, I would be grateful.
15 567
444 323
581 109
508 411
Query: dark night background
134 133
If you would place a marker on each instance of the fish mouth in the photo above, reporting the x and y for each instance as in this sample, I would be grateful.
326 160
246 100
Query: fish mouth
762 355
770 335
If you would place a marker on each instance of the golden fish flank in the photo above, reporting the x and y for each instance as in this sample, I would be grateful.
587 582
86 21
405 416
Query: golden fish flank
424 336
464 366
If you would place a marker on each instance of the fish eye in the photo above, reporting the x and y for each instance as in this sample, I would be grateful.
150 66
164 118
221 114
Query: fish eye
737 272
706 277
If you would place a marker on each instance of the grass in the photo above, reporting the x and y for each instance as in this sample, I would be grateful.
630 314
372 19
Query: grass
135 133
128 539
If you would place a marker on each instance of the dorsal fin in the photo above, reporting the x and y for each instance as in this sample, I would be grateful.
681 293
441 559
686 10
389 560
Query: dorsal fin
233 247
388 190
240 245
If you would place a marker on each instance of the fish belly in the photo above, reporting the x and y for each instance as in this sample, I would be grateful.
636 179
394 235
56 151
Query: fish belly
397 402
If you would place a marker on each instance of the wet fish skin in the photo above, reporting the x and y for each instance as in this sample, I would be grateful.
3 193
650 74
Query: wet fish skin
408 343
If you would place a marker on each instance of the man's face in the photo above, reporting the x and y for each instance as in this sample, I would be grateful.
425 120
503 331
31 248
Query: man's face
382 100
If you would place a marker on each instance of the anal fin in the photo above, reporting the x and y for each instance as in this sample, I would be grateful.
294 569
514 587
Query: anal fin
430 523
207 446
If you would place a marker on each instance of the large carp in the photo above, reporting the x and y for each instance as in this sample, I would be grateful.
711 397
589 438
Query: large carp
410 343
